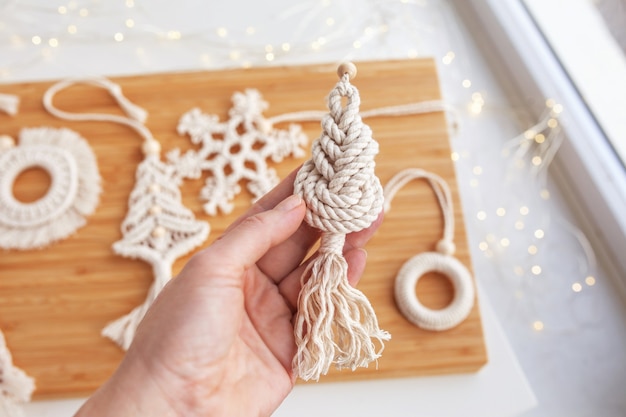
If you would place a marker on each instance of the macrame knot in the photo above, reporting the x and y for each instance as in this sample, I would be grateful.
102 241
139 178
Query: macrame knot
332 243
335 323
338 183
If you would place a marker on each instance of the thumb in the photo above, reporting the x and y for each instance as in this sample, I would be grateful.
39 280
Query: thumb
248 241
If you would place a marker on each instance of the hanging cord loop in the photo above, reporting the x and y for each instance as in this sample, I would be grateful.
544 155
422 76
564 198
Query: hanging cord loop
136 115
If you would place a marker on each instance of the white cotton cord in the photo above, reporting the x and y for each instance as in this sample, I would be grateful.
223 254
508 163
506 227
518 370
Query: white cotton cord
422 107
444 197
441 261
136 115
9 103
335 323
16 387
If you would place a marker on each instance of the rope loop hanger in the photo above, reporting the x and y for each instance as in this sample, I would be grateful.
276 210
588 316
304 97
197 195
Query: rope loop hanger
441 261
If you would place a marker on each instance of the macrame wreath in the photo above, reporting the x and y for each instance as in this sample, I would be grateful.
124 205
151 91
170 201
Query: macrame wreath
441 261
73 194
335 323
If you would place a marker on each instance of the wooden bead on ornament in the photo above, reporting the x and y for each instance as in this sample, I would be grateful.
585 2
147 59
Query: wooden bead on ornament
347 68
151 147
6 142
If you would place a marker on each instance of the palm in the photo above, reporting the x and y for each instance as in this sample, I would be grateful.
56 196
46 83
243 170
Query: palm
244 353
219 339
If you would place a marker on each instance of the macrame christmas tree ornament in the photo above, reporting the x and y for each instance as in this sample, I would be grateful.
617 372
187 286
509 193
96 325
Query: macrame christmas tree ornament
441 261
235 150
335 323
158 228
16 388
73 194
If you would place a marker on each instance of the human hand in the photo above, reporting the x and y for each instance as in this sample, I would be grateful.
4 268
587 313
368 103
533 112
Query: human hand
218 340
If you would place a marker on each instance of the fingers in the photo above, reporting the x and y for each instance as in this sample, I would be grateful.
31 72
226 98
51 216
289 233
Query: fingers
247 241
290 287
356 258
283 258
283 190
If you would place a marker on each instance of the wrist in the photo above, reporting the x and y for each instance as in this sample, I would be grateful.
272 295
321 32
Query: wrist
131 392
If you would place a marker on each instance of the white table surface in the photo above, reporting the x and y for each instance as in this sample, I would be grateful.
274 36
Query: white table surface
575 365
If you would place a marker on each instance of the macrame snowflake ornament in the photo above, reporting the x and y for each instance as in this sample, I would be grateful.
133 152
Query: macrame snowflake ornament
235 150
335 323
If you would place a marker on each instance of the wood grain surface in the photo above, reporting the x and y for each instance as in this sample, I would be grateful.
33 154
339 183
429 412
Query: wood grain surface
55 301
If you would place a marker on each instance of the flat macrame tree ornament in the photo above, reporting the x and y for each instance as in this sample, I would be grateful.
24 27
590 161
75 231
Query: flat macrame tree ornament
335 323
157 228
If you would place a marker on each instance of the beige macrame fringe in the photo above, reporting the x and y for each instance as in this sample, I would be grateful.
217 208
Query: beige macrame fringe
336 322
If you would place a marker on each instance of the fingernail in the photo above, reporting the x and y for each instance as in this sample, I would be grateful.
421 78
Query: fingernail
363 251
289 203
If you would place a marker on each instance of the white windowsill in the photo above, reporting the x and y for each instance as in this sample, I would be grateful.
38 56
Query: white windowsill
592 177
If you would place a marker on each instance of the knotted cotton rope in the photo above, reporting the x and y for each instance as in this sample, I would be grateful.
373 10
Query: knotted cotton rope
441 261
335 323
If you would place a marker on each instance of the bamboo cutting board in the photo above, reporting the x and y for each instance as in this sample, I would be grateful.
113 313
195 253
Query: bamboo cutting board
55 301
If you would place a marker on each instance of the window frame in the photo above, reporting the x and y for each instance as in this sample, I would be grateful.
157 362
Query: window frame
586 168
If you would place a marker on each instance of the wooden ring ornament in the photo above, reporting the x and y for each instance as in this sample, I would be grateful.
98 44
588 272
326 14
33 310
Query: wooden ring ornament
441 261
422 316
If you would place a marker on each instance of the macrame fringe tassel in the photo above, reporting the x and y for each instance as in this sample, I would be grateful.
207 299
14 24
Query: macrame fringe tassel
9 103
335 323
122 331
16 387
